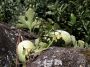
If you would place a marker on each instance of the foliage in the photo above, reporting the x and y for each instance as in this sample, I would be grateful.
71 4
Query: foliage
28 19
11 9
74 20
69 15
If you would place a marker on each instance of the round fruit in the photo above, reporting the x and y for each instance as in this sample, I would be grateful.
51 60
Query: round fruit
23 49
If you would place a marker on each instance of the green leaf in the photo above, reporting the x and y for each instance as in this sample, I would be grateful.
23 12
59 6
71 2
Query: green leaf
27 19
72 19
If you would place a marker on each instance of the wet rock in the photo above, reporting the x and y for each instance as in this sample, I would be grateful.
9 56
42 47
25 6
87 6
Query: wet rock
59 57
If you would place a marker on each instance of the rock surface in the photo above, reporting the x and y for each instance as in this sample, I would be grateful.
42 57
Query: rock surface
59 57
7 46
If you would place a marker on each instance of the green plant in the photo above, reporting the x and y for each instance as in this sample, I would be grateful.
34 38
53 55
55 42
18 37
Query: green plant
74 20
11 9
28 19
78 43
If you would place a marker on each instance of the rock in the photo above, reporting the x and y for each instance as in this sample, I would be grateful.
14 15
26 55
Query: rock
59 57
7 46
86 52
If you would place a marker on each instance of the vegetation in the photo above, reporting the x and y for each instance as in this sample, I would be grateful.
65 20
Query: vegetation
49 15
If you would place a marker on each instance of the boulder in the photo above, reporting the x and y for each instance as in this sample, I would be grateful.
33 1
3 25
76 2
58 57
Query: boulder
7 46
59 57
